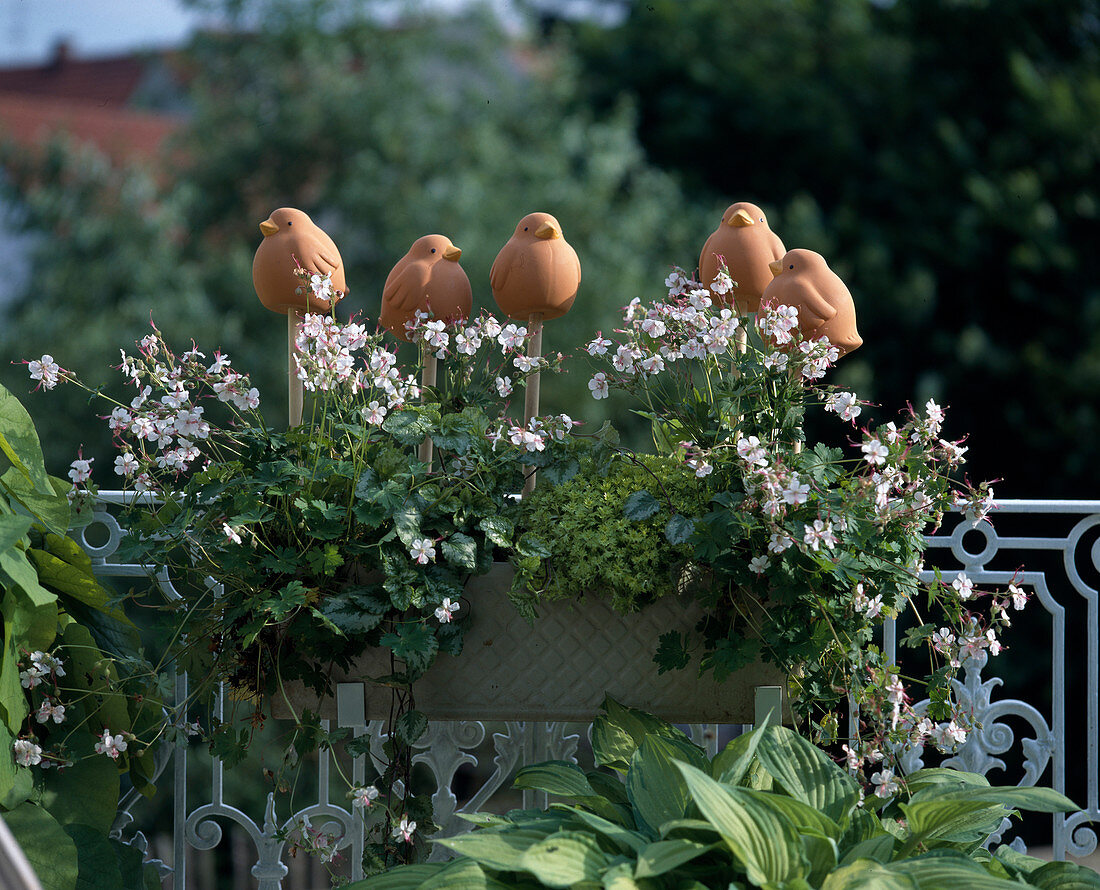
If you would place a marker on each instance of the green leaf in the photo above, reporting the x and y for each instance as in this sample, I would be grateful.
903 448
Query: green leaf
948 868
411 425
19 445
564 859
663 856
880 849
403 877
461 874
1064 876
733 761
50 508
99 869
679 529
807 773
500 850
12 530
71 579
411 726
865 874
619 877
628 841
1034 798
87 792
953 820
640 506
460 550
617 733
803 817
764 843
556 777
50 851
414 644
672 653
654 785
498 530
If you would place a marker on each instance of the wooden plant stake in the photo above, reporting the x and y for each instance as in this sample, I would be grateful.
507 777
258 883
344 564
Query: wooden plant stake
427 381
531 399
295 389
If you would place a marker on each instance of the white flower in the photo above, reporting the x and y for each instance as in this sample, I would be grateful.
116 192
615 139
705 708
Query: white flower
525 363
511 337
963 585
874 452
654 327
887 787
819 533
758 564
110 745
895 690
374 413
598 385
27 753
845 404
796 491
652 365
598 346
446 611
751 452
231 533
48 710
31 677
779 542
126 464
776 360
700 466
946 736
81 470
851 759
504 386
422 550
1019 598
405 830
364 797
46 370
46 663
935 416
995 646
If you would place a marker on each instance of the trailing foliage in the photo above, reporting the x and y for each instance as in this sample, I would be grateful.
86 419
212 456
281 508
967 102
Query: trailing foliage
80 712
771 810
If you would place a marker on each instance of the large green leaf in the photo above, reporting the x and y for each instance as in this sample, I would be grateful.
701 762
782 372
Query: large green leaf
498 849
763 842
943 869
959 821
654 785
564 859
16 782
51 508
404 877
822 854
12 529
864 874
556 777
1035 799
627 840
663 856
933 776
619 731
50 851
19 445
13 702
733 761
65 567
1064 876
99 868
879 849
87 792
460 874
802 816
619 877
807 773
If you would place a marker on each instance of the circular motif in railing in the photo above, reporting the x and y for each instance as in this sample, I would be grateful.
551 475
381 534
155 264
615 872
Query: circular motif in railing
1081 556
86 536
969 558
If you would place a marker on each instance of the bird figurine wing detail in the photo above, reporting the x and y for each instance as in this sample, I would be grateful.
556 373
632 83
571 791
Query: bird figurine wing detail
825 307
291 239
427 279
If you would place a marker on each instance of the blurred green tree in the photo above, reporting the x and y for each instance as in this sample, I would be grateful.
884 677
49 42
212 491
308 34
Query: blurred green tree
942 154
382 132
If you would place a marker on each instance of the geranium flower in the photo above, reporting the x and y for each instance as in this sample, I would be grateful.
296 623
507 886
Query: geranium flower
446 611
422 550
110 745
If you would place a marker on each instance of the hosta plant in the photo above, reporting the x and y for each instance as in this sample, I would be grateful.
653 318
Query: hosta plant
771 811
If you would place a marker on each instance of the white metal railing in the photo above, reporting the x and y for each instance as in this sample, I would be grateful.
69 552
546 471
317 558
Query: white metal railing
447 746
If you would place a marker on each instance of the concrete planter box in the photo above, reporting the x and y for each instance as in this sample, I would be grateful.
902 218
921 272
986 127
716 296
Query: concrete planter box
559 669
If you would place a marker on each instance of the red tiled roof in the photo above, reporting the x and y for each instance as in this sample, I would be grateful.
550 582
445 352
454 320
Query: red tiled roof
106 82
122 134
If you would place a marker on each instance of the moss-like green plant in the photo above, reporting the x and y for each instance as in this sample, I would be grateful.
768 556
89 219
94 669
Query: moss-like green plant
607 530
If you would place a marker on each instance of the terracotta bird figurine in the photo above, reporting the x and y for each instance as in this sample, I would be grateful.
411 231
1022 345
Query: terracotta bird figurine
536 271
825 307
746 243
291 235
427 278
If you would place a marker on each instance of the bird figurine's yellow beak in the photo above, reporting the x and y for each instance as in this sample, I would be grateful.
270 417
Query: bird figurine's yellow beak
452 253
741 218
776 268
268 227
547 231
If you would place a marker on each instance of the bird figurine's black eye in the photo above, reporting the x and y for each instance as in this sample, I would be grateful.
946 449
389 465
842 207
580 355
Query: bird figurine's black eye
433 250
761 219
525 228
791 266
289 222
